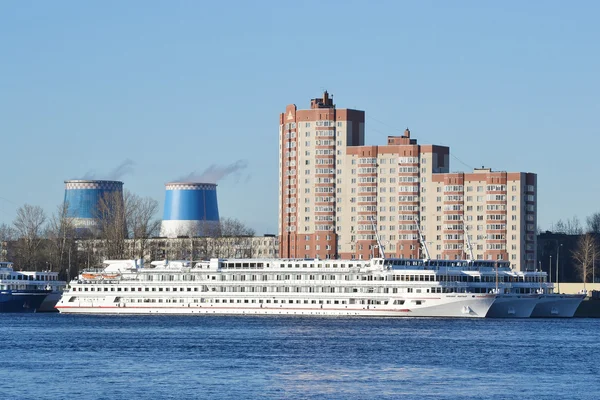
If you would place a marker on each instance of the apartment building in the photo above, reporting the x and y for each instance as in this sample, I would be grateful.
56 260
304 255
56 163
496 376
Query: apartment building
337 197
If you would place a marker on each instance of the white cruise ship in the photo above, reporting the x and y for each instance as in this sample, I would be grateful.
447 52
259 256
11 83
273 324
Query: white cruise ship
555 305
377 287
516 295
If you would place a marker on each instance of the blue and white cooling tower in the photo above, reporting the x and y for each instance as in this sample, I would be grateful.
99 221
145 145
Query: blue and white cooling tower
190 209
82 198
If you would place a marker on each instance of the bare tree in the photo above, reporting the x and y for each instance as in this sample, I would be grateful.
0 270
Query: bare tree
559 227
112 219
584 254
142 223
7 234
29 225
60 233
593 223
88 254
236 237
235 227
573 226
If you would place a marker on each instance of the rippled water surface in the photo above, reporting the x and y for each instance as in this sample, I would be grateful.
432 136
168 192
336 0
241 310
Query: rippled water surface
52 356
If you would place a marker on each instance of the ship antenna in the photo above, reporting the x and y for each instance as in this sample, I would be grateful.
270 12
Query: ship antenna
379 244
422 240
469 246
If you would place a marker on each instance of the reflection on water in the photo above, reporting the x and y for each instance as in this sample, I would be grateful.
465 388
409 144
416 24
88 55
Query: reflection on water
107 357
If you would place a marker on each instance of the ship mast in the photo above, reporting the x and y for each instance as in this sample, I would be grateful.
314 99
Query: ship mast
381 250
496 277
469 246
422 240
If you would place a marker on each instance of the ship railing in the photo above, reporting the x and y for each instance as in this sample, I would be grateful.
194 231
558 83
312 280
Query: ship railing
99 281
453 284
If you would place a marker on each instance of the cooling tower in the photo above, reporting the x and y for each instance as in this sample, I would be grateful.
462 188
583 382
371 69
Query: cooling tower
82 198
190 209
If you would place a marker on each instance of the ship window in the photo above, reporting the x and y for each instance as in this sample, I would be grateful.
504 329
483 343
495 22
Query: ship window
160 289
418 302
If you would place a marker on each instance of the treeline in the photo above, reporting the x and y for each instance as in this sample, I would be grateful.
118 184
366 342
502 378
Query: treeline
586 253
573 226
36 241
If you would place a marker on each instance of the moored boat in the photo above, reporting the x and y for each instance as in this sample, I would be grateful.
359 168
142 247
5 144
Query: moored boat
28 291
377 287
554 305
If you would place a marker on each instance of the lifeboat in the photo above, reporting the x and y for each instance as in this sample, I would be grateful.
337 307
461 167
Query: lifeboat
98 276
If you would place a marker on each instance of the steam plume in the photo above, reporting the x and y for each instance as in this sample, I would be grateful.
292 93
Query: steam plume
215 173
126 167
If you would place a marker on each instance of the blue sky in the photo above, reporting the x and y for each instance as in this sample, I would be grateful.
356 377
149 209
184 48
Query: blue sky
178 86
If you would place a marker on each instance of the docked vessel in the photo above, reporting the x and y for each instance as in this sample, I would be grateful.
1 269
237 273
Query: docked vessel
28 291
377 287
522 294
517 293
554 305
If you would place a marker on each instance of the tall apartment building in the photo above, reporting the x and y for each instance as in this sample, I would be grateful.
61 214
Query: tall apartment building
336 195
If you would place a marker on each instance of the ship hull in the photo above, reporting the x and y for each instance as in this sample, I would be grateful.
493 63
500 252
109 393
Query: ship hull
513 306
451 306
21 301
557 305
49 303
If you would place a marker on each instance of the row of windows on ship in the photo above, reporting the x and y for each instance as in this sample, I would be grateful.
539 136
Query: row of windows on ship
315 277
30 287
262 301
299 289
22 277
389 262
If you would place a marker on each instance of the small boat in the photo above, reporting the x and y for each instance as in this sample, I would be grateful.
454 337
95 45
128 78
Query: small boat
28 291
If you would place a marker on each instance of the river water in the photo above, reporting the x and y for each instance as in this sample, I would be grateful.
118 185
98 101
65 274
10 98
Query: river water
54 356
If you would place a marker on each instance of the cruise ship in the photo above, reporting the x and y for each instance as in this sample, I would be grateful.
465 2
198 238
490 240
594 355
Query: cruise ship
517 293
555 305
376 287
28 291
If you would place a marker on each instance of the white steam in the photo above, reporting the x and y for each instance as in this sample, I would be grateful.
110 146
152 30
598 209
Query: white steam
126 167
215 173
